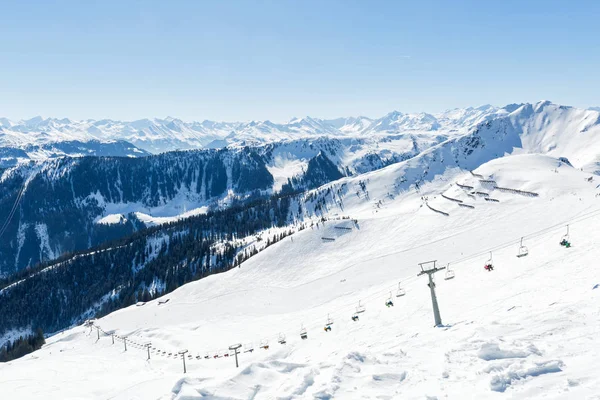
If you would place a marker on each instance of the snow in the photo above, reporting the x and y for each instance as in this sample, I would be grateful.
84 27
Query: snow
112 219
159 135
526 330
286 167
155 220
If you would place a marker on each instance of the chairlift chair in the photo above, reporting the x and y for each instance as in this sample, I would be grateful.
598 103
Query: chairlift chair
523 251
355 317
489 265
281 339
328 324
360 308
389 302
449 273
566 240
303 333
248 348
401 292
264 344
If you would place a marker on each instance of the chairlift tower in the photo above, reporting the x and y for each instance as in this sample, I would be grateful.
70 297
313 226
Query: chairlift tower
429 269
182 353
147 346
236 348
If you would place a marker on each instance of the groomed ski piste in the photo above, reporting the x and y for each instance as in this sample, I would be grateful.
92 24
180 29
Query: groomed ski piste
528 329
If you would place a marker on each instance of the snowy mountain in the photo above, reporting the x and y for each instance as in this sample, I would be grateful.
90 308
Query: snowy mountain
160 135
526 330
10 156
282 237
107 198
114 197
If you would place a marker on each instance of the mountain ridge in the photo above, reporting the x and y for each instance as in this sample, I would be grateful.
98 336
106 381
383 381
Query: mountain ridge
158 135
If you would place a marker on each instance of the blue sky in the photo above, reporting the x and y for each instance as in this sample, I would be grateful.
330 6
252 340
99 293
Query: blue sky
242 60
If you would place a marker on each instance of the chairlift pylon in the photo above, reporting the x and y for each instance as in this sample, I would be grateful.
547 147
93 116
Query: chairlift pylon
449 273
523 250
401 292
489 265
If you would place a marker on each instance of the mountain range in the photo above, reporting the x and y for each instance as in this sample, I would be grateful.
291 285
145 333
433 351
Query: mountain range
168 134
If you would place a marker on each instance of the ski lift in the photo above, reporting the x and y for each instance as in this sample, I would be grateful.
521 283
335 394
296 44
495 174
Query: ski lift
206 356
389 302
489 265
401 292
354 317
523 251
281 339
360 308
303 333
264 344
449 273
248 348
565 242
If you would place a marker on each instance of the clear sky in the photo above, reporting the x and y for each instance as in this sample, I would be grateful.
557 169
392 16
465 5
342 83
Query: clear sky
243 60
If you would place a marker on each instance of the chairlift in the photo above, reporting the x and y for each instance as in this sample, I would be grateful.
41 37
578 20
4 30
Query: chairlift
206 356
264 344
389 302
303 333
449 273
328 324
281 339
355 317
248 348
401 292
565 242
360 308
523 250
489 265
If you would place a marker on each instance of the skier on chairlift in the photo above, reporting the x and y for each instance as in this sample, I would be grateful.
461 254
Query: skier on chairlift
489 267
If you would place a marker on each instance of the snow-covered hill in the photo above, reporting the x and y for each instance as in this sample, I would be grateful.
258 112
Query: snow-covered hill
526 330
12 156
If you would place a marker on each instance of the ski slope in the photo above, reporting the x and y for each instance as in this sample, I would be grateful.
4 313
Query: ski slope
526 330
